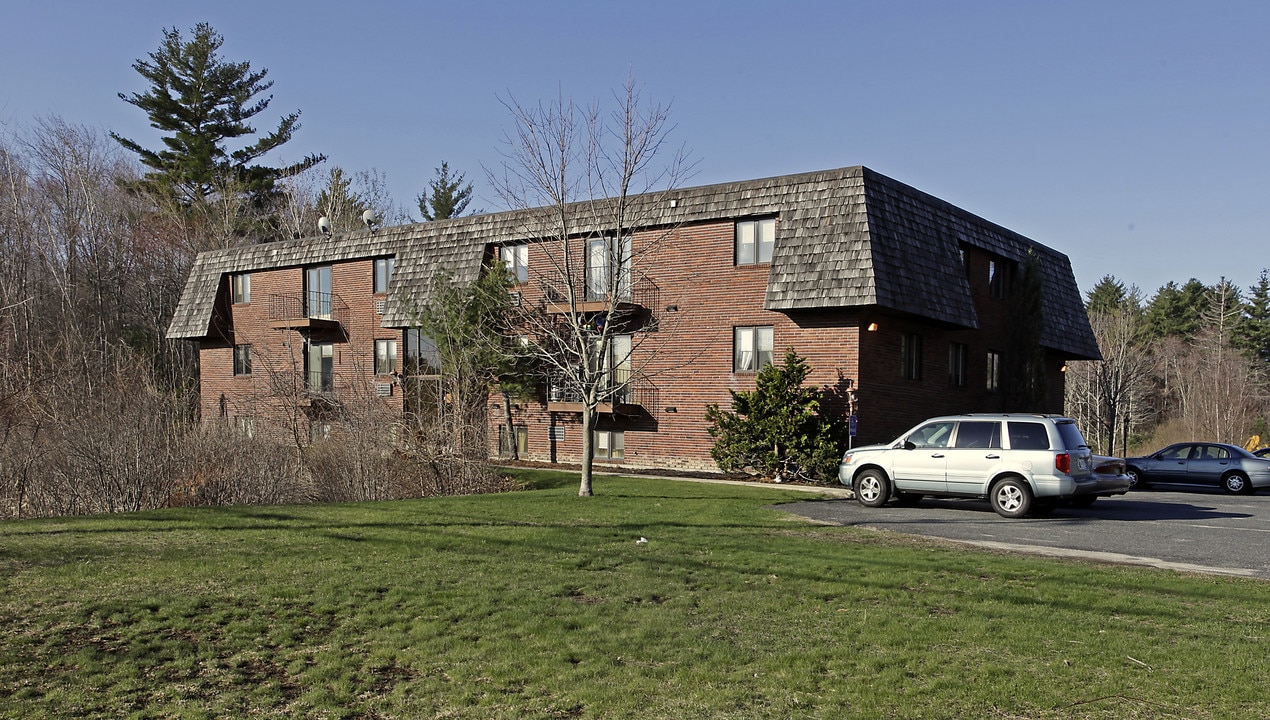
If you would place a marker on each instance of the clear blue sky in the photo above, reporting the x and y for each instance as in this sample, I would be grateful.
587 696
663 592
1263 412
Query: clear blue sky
1132 136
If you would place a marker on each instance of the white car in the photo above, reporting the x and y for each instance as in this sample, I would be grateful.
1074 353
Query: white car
1022 463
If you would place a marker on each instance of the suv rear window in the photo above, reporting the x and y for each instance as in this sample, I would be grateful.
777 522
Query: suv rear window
1072 439
1029 436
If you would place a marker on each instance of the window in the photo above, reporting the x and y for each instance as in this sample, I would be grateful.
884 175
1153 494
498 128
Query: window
1212 452
994 371
1028 436
422 357
519 435
516 260
755 240
319 431
978 434
751 348
999 278
320 364
608 268
242 359
317 286
241 288
245 425
617 363
933 435
610 444
385 357
383 274
911 356
957 364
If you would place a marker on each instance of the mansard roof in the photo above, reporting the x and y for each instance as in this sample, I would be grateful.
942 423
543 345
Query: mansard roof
845 238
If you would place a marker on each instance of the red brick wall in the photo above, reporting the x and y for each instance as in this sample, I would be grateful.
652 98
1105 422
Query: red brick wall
690 358
278 354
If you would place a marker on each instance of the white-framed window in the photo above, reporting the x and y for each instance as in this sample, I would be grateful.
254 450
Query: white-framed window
911 356
994 371
385 357
240 286
610 444
383 274
608 268
516 259
755 240
245 425
957 354
752 348
242 359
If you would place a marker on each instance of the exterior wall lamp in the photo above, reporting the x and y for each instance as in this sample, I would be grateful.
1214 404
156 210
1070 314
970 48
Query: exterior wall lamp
873 327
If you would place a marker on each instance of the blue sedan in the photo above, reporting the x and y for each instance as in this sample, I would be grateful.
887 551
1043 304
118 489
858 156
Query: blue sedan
1193 463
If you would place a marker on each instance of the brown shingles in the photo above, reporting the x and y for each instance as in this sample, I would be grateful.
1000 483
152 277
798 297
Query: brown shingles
845 238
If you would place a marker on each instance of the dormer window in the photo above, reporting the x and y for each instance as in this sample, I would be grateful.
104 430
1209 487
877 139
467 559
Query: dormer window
240 287
516 259
755 240
999 272
383 274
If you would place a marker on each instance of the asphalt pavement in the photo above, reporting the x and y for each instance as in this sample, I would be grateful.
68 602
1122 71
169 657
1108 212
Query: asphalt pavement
1186 530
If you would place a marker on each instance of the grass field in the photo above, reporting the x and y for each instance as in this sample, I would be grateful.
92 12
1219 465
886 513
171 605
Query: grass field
541 604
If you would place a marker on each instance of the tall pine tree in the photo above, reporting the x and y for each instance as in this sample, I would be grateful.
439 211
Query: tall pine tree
204 105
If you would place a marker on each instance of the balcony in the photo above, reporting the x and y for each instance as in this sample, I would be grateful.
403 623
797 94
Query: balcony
636 396
312 312
591 297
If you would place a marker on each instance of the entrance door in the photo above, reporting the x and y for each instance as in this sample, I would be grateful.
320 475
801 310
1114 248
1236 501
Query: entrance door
317 286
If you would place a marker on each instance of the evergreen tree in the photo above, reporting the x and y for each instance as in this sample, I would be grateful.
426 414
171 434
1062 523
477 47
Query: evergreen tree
1178 312
202 103
1253 333
449 196
1107 296
777 428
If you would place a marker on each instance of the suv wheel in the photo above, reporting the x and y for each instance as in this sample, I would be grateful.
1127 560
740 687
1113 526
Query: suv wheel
872 489
1011 498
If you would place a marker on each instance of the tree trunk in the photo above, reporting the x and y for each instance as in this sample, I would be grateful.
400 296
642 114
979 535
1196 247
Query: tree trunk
511 429
588 449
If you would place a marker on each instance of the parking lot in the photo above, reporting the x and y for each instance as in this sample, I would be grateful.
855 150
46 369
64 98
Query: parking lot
1196 531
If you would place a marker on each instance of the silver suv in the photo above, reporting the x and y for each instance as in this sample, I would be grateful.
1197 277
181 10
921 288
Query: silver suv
1022 463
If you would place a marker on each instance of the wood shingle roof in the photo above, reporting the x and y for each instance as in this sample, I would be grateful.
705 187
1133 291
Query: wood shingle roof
845 238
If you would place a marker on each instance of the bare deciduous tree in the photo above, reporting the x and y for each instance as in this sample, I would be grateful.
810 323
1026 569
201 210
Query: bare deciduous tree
589 184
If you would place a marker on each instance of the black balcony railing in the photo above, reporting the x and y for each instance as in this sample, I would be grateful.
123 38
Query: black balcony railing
308 305
636 392
641 292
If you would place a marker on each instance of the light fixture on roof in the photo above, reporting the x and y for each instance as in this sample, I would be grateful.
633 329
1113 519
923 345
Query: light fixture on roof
371 221
324 225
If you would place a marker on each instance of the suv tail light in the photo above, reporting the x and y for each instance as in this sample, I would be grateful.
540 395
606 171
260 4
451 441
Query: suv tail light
1063 463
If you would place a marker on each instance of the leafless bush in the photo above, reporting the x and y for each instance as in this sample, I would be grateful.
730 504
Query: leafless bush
223 467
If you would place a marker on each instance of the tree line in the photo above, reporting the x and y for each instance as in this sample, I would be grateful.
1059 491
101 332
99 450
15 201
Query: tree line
1190 363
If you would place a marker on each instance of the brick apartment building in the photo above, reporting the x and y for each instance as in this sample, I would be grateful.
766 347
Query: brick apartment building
883 288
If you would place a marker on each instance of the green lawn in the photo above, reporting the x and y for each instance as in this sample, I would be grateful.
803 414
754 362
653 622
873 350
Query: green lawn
541 604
